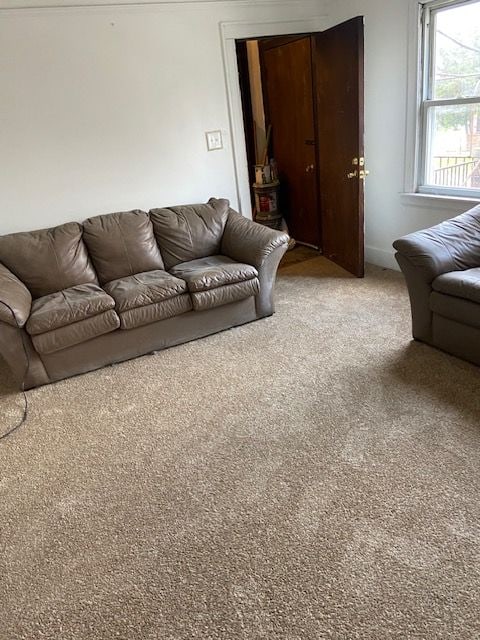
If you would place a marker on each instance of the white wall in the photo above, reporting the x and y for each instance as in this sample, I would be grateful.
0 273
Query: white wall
106 108
388 213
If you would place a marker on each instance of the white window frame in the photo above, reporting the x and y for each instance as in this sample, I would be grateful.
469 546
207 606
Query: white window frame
420 101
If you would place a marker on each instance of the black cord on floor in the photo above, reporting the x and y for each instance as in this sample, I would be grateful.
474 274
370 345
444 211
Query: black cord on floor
25 398
22 420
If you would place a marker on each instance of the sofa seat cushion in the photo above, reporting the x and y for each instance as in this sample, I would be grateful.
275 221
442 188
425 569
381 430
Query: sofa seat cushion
203 300
217 280
148 297
143 289
71 316
459 309
461 284
76 333
66 307
214 271
154 312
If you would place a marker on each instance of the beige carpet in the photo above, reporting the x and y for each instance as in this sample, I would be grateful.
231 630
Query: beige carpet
313 475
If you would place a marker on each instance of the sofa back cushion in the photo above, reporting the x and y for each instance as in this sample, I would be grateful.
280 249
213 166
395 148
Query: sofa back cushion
191 231
121 244
48 260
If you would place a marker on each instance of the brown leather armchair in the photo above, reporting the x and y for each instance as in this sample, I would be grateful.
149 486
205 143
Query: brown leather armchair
441 266
77 297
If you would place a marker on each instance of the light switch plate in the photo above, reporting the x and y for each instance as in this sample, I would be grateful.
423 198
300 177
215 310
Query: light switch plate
214 140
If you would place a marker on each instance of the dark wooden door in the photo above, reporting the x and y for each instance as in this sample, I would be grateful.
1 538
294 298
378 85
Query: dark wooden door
338 64
288 91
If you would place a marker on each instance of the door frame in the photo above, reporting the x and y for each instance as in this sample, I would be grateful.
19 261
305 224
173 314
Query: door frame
229 32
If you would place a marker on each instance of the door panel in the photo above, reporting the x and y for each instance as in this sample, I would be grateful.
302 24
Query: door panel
338 64
288 87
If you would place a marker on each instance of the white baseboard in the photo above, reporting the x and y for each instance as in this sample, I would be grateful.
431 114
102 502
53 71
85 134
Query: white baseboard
381 258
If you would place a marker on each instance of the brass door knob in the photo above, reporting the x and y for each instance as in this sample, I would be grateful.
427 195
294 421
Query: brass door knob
362 174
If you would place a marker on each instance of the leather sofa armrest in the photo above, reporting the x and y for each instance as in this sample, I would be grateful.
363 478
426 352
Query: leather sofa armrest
249 242
452 245
15 299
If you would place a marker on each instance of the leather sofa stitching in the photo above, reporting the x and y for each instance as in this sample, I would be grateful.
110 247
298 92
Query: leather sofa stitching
189 229
124 244
52 244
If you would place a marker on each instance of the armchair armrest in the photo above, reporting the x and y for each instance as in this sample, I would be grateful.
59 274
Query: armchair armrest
15 299
249 242
452 245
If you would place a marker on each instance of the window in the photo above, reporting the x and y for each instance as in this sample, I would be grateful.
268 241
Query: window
449 128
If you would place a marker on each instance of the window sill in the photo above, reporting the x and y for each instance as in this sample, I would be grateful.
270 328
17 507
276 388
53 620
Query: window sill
435 201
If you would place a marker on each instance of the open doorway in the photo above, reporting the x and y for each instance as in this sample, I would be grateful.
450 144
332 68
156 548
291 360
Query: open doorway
302 100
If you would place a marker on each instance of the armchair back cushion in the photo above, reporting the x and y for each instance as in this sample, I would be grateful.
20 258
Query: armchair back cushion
48 260
189 232
452 245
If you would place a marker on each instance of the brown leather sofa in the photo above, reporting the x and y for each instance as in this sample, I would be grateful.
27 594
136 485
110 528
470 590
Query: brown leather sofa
442 268
77 297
